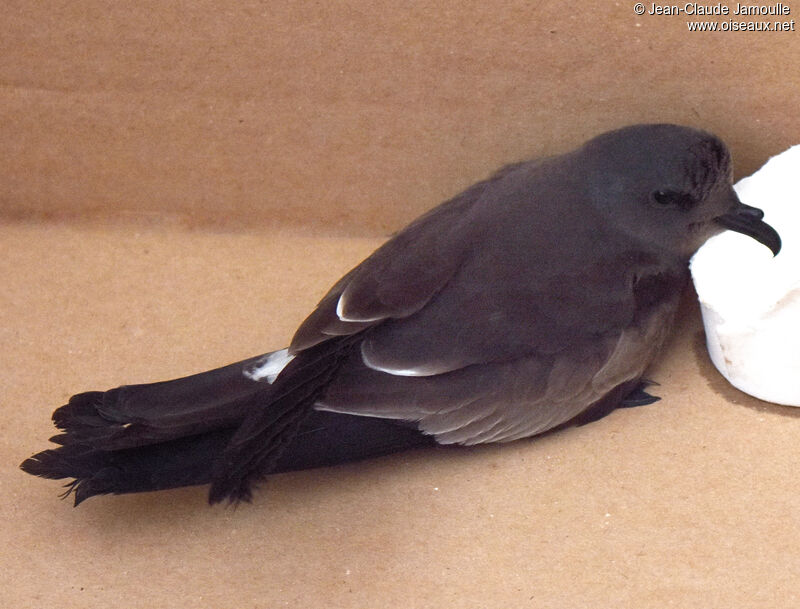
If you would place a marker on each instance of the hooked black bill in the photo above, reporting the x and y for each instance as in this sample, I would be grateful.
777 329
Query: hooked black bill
749 221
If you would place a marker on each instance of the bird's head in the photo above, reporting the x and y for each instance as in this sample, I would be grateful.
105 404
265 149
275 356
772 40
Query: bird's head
670 187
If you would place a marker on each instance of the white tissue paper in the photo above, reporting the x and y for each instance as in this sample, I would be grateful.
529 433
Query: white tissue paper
750 300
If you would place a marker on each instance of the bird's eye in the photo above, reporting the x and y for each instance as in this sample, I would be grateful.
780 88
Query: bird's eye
673 198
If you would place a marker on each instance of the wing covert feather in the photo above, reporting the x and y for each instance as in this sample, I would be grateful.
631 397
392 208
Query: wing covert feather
400 277
508 400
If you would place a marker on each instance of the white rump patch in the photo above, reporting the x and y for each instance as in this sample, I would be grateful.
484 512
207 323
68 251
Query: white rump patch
269 366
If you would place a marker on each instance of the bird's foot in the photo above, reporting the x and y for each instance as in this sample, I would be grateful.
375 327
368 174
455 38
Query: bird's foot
639 397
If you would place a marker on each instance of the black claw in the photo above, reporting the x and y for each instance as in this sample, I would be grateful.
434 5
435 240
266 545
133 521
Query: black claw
639 397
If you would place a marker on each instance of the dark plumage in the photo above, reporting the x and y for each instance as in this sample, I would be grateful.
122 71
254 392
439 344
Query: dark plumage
534 299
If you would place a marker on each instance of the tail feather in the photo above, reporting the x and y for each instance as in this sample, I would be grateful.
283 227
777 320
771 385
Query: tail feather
172 464
136 415
218 427
147 437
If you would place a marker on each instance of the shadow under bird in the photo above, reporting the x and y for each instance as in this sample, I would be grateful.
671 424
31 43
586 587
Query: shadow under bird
532 300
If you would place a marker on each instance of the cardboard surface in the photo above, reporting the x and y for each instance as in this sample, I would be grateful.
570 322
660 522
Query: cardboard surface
181 182
690 501
355 116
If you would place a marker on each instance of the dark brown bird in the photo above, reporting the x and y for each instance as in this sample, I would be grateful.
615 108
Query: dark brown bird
534 299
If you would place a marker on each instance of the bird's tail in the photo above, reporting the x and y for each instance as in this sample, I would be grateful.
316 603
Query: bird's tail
147 437
217 427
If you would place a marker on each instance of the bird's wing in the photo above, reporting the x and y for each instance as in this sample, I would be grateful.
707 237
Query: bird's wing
498 315
400 277
496 401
